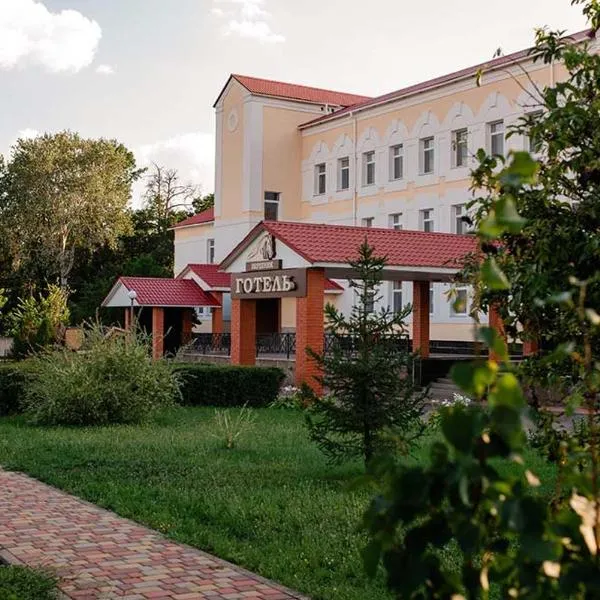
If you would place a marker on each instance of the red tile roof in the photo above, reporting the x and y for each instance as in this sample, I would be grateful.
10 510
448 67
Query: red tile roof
502 61
291 91
211 275
320 243
206 216
332 286
153 291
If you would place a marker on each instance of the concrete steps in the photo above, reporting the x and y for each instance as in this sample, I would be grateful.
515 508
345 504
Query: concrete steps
442 389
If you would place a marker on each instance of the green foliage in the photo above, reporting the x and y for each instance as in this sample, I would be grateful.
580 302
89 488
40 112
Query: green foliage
38 322
509 540
210 385
370 389
13 378
113 380
203 203
23 583
231 424
59 194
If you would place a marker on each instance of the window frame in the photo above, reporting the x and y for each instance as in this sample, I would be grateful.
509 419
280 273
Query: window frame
397 291
271 202
366 164
458 212
495 135
340 174
396 154
424 151
462 289
320 188
367 222
457 143
210 251
396 221
430 218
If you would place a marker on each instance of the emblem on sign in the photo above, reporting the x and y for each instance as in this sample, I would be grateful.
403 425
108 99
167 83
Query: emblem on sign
265 250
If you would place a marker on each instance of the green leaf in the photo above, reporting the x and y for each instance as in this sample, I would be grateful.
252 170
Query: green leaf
494 341
522 170
461 427
507 215
473 377
592 316
493 276
507 392
371 555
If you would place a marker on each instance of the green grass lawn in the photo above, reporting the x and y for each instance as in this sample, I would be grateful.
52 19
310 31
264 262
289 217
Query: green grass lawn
272 505
22 583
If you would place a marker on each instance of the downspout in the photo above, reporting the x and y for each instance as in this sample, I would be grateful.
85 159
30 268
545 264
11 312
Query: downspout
356 167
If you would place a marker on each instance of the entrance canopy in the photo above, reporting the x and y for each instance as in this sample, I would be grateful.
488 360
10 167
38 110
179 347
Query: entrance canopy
411 255
155 291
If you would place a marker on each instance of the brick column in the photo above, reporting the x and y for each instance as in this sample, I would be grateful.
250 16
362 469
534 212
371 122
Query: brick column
187 324
158 332
217 314
420 332
243 332
310 329
495 321
530 347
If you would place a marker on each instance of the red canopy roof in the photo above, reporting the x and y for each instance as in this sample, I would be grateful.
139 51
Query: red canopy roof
206 216
154 291
210 274
320 243
291 91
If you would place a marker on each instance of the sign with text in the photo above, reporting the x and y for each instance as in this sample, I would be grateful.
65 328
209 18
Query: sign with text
284 283
264 265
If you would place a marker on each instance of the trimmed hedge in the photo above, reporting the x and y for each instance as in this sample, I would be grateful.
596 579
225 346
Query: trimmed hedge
210 385
12 387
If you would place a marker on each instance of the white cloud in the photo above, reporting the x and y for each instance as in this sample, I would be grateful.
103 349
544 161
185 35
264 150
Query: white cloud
247 19
192 154
105 70
27 134
59 42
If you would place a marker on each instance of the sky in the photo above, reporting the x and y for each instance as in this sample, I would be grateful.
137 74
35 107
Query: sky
147 72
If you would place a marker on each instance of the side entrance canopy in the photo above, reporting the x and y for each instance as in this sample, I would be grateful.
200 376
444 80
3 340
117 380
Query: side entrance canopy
282 259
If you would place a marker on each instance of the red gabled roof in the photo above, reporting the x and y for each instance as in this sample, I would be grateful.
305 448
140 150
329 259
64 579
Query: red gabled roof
211 275
332 286
206 216
154 291
496 63
320 243
291 91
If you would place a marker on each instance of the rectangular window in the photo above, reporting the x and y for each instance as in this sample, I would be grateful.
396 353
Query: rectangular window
431 297
367 222
343 173
459 148
534 145
458 212
496 135
397 296
320 179
427 155
210 251
369 168
271 206
396 162
460 302
396 221
427 220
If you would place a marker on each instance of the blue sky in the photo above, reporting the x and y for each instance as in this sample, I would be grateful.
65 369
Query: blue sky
148 71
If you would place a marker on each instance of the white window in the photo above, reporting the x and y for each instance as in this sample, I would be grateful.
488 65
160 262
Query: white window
532 144
427 155
496 135
458 212
427 223
343 174
367 222
210 251
460 302
369 168
271 206
397 296
320 179
396 221
431 296
459 148
396 162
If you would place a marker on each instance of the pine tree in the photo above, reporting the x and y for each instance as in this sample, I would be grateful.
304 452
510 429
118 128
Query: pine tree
367 371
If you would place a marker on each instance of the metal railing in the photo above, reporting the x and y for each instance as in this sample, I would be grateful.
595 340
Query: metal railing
212 343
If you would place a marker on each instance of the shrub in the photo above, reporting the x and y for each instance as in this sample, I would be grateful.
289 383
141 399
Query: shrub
12 387
113 381
37 323
229 426
209 385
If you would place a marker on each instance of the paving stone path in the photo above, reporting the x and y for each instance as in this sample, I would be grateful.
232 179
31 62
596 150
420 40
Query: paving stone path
99 555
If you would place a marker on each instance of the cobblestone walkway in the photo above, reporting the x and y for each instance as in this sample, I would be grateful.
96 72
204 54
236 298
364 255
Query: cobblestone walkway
99 555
